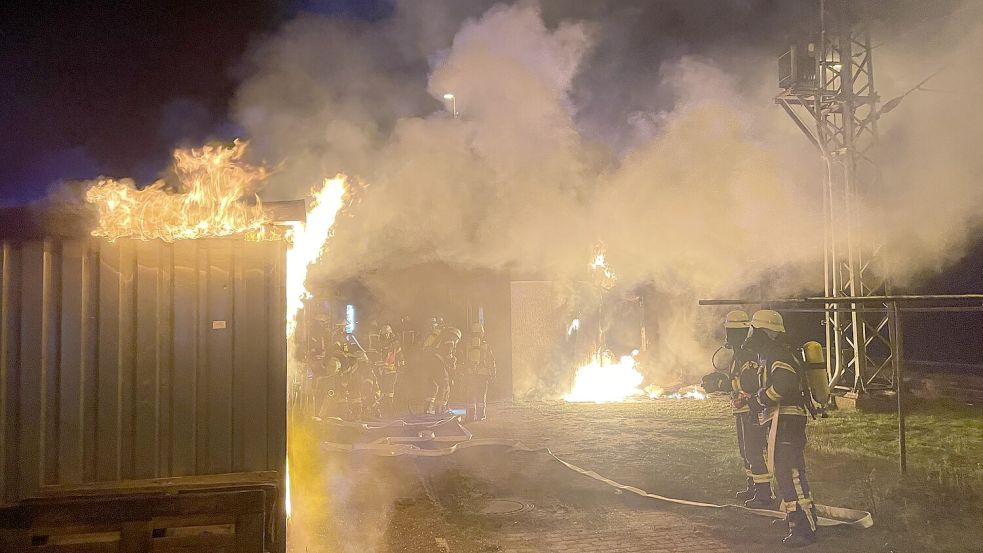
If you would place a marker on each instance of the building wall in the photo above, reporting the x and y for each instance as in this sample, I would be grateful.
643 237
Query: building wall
134 360
537 321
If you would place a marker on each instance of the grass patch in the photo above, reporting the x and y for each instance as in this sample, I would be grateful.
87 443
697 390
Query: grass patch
688 449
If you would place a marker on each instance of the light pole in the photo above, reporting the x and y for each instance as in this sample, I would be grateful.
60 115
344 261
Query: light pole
453 100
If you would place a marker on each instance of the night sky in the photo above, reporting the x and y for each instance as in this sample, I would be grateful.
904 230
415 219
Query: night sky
105 88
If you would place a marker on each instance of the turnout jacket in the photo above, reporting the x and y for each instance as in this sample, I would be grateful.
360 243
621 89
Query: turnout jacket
744 379
780 384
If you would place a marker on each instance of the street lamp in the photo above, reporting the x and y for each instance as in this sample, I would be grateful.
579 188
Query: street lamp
453 100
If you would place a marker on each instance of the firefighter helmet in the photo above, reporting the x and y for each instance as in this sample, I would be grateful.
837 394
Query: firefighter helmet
768 320
451 333
737 319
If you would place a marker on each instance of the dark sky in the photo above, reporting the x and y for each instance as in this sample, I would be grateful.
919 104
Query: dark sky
110 87
90 88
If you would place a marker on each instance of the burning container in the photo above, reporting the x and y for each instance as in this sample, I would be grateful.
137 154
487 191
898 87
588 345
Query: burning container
133 364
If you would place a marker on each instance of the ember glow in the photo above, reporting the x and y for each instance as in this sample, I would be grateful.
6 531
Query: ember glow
214 196
689 392
605 379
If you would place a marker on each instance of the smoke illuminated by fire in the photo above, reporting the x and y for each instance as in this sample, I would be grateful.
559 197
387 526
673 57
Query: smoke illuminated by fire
602 272
214 196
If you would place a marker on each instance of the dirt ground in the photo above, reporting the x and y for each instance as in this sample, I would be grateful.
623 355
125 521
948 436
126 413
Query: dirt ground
491 499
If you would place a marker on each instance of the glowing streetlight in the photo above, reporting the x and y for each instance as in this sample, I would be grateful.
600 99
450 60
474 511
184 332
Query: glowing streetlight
453 101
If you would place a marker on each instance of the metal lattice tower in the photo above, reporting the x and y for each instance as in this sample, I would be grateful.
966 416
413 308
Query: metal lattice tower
828 90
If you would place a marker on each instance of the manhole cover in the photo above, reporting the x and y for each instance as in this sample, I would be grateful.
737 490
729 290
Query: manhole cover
498 507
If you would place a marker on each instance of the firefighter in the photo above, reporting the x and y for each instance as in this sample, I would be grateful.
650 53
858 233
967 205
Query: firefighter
480 370
360 387
389 362
436 327
438 364
782 398
751 439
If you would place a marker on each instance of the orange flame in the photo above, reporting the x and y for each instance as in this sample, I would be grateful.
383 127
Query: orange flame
209 200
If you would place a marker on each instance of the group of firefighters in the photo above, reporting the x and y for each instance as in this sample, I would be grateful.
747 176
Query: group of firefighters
773 392
393 379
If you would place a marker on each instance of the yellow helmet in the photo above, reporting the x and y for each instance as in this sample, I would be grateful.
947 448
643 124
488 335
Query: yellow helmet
737 319
768 319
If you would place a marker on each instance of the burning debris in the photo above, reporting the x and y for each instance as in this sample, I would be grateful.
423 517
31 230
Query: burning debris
607 377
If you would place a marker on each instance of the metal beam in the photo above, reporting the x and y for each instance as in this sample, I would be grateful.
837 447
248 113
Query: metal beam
847 299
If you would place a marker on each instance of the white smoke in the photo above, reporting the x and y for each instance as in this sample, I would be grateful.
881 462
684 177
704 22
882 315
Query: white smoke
706 191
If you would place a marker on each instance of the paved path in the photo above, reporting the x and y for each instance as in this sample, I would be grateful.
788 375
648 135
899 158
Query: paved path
651 532
620 531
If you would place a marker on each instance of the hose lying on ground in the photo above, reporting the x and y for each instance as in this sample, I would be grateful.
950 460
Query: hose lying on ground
394 446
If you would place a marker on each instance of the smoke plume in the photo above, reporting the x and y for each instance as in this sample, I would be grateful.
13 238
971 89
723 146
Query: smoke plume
571 129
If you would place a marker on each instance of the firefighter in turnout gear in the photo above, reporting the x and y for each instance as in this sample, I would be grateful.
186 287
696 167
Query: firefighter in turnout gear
782 396
436 327
480 370
438 364
389 361
751 439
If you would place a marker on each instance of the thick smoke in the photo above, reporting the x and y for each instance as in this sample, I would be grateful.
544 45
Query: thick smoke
702 187
572 129
931 197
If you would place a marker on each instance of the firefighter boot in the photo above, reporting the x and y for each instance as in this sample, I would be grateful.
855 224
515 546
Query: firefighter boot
762 498
748 493
800 529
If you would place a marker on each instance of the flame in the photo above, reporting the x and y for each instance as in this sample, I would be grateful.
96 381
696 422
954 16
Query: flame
308 240
604 379
287 504
603 273
690 392
308 243
213 183
574 326
208 201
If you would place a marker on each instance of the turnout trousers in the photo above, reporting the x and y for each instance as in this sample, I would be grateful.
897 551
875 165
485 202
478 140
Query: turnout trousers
387 387
477 393
752 440
788 449
438 391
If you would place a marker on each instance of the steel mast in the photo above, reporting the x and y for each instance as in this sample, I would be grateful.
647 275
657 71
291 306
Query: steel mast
827 83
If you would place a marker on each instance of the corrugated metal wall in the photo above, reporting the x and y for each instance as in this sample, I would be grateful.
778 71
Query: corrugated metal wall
134 359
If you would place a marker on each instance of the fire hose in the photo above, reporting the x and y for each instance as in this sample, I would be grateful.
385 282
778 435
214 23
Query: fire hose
395 446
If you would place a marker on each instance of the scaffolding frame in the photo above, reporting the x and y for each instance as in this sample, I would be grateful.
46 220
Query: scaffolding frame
828 91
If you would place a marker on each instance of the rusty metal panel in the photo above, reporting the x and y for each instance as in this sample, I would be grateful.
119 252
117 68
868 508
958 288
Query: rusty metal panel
134 360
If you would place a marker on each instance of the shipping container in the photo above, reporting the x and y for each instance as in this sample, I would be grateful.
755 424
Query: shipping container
135 360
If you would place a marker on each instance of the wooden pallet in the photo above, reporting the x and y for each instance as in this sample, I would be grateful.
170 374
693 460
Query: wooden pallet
200 521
